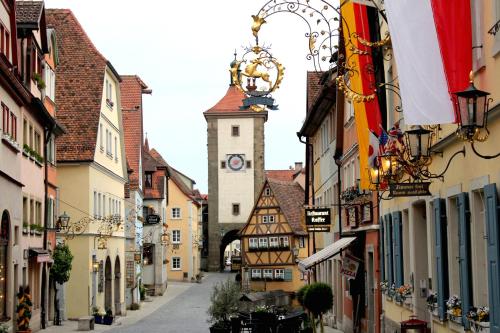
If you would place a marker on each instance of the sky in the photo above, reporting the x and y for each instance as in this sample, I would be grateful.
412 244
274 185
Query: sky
182 51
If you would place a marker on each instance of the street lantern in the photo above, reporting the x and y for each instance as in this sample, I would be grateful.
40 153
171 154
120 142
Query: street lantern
95 264
418 143
472 110
62 222
388 165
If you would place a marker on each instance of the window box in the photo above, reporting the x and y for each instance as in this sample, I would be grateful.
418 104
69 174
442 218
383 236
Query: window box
109 103
480 326
11 143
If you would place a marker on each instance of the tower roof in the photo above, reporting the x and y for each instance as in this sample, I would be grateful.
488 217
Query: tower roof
231 102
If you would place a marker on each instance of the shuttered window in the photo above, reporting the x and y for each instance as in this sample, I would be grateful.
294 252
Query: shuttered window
441 251
397 234
382 250
388 247
288 274
464 259
493 252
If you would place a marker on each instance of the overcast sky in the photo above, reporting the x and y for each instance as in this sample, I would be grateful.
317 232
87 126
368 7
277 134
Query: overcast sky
182 50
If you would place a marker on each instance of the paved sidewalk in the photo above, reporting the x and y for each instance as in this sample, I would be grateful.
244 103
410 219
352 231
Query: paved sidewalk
328 329
174 289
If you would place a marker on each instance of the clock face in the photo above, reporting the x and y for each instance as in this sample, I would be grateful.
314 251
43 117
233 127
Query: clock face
235 162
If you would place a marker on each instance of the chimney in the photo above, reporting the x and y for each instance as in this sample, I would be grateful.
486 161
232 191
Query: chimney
298 166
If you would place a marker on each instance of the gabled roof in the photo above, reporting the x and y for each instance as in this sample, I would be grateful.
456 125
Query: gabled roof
290 197
79 87
231 101
284 175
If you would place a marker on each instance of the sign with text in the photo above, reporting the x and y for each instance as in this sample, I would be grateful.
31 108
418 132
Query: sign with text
318 219
153 219
349 267
409 189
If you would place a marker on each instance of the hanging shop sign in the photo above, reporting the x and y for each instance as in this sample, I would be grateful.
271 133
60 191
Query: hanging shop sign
409 189
349 267
153 219
352 216
366 212
318 219
137 257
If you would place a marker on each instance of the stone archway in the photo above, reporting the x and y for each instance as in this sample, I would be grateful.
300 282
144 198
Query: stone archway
108 279
117 286
227 239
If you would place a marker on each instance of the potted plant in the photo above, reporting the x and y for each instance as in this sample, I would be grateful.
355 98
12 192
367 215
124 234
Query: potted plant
25 228
32 228
39 81
384 285
108 317
479 318
318 299
38 230
23 310
307 328
454 308
224 304
97 315
432 301
403 292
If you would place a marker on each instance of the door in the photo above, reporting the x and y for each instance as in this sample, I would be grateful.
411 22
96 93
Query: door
371 294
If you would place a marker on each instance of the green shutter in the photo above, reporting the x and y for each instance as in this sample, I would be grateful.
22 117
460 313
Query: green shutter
288 274
441 247
464 259
397 230
381 251
388 247
493 247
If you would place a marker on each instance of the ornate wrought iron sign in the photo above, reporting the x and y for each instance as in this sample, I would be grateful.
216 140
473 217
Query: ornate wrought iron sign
409 189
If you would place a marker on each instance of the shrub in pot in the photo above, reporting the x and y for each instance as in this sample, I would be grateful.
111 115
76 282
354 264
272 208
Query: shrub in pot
224 304
318 299
23 310
108 317
97 315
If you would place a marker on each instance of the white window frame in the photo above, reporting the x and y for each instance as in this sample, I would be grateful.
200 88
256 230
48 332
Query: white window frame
262 241
273 242
176 236
267 192
256 273
279 273
178 260
174 215
116 149
268 219
302 242
286 241
253 243
267 273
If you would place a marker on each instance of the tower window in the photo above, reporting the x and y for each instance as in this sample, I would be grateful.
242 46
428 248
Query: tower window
235 130
249 164
149 180
267 192
236 209
222 164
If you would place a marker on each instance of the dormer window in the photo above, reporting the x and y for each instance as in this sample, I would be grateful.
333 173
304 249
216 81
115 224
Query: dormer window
149 180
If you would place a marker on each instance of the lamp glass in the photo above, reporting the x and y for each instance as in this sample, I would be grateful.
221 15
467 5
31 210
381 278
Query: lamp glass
418 143
64 218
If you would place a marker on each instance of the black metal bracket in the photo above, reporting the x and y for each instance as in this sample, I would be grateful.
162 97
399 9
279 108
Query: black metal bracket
441 175
487 157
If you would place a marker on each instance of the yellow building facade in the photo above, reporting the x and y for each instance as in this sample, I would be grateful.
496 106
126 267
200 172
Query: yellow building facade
446 240
274 239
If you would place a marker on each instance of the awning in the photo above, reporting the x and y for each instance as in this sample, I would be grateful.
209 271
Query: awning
41 255
326 253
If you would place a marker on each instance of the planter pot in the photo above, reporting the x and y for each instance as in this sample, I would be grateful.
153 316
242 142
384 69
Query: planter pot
480 326
98 319
107 320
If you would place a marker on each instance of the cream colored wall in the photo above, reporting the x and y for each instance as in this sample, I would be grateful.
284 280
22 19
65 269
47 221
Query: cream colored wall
10 161
235 187
187 224
111 120
5 20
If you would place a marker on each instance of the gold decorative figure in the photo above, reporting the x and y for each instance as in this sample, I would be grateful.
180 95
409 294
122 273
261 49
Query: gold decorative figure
257 22
252 71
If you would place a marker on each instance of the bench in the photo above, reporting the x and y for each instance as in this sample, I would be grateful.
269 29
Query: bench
86 323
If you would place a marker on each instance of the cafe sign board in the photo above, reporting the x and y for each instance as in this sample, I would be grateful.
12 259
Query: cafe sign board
153 219
409 189
318 219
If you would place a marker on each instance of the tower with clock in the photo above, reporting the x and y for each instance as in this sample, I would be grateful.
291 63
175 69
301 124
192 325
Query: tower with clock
235 143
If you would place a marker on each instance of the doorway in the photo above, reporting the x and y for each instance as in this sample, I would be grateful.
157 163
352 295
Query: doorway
107 286
371 293
117 286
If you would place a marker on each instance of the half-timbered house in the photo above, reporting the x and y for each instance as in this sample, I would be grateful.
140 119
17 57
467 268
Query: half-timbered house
275 238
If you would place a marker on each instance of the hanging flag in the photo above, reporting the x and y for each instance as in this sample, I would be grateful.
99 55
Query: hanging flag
366 113
432 41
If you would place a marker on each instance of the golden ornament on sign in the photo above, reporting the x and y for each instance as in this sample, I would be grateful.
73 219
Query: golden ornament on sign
257 22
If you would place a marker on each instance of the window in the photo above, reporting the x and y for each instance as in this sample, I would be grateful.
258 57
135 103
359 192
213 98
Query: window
279 274
268 273
236 209
248 164
38 207
25 132
5 41
103 205
99 212
51 150
267 192
284 241
109 94
176 263
148 254
252 243
116 149
32 211
149 180
50 85
256 273
222 164
263 243
25 212
273 242
176 213
96 213
478 59
333 133
9 123
101 143
302 242
176 236
235 130
38 142
109 143
268 219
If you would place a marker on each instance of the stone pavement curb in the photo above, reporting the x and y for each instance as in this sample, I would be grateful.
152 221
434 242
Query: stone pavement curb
174 289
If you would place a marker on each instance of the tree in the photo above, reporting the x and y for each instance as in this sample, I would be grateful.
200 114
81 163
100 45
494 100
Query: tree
318 299
60 273
225 298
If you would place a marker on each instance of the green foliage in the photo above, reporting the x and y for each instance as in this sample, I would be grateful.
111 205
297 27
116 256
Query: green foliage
318 298
4 328
142 292
300 294
61 268
225 300
23 309
135 306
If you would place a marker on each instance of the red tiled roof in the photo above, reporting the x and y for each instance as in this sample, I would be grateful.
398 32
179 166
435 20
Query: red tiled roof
131 89
231 102
313 87
28 12
290 197
159 159
285 175
80 77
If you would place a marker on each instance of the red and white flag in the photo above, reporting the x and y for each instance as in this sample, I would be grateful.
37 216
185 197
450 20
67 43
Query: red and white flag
432 43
